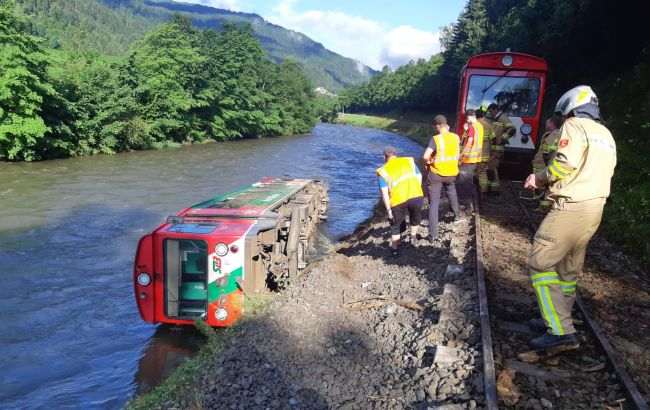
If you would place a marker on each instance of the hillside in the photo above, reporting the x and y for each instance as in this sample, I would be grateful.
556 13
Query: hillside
111 27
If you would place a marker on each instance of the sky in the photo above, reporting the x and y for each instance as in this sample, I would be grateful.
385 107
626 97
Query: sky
377 33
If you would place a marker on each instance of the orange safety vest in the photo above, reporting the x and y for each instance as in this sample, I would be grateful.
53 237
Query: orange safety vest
445 161
403 182
473 156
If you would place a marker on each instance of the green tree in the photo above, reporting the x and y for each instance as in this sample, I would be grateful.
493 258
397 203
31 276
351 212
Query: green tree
25 92
167 68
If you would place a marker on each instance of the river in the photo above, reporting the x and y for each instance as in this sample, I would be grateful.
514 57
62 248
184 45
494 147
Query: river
70 332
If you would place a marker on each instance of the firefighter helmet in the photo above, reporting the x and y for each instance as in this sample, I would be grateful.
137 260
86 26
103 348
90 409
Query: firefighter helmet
574 98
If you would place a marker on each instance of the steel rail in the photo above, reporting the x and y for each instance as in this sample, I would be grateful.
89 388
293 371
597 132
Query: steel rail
631 391
489 377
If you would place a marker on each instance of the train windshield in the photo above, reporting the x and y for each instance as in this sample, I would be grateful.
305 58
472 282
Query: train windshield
519 94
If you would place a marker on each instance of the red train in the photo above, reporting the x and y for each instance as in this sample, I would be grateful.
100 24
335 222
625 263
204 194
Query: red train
516 83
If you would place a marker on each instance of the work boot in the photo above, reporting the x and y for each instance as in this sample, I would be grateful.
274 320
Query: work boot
394 253
547 341
537 325
431 238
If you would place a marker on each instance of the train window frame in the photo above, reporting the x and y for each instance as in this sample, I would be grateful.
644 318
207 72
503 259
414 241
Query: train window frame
167 275
486 89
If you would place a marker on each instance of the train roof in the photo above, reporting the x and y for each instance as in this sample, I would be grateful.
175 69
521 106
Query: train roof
249 201
520 61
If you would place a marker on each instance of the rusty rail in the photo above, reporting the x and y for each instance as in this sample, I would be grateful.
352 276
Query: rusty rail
489 377
631 391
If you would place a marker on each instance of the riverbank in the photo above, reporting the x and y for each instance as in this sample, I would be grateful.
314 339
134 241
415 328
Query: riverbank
320 344
412 127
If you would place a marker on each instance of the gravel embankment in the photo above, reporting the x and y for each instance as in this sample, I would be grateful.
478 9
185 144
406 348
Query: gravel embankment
310 352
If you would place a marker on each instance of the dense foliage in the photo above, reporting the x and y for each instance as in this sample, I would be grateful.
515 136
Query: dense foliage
112 26
178 84
601 43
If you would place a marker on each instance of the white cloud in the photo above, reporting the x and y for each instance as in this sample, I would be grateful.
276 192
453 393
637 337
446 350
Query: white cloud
232 5
406 43
368 41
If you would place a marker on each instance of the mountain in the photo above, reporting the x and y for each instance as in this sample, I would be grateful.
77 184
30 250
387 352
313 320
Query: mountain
111 26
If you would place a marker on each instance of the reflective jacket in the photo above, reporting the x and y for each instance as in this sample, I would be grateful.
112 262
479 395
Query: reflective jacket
473 156
445 160
488 136
583 165
402 179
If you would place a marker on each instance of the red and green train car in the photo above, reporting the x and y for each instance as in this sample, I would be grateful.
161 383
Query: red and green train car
202 262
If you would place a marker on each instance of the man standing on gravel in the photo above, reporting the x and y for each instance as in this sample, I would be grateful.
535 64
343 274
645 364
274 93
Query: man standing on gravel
442 155
400 182
578 180
469 157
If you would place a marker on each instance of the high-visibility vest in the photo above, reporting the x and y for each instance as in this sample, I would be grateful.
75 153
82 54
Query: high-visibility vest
473 156
402 179
445 161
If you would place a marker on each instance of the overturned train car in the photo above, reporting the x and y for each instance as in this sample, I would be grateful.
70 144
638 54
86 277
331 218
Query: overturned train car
201 262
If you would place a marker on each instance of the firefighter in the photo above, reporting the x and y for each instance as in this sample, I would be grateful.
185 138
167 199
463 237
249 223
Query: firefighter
400 182
546 153
441 156
469 157
481 167
503 130
578 179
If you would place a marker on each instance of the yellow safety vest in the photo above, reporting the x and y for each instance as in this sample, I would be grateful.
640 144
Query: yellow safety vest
445 161
403 182
474 154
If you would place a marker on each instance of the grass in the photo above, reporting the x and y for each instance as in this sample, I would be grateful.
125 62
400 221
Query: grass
185 382
418 131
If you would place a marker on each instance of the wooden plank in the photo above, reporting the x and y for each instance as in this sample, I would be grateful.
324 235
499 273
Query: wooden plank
522 328
535 371
510 297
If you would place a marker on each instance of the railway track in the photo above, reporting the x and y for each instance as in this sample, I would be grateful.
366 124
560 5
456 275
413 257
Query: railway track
592 376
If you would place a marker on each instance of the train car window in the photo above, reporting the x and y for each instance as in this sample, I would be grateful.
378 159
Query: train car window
519 94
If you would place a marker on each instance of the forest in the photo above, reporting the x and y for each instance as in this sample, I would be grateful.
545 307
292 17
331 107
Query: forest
111 27
177 84
600 43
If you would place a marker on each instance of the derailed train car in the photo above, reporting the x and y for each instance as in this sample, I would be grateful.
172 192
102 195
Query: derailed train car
201 262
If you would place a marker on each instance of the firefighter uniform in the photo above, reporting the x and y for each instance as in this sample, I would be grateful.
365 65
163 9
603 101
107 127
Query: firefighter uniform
503 130
578 179
482 167
543 157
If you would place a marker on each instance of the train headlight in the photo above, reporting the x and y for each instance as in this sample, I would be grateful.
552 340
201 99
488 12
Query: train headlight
144 279
221 314
526 129
221 249
506 60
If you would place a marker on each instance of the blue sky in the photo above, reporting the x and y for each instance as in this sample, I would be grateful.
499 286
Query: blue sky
377 33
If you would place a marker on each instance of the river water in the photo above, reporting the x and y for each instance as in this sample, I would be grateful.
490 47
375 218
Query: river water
70 333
